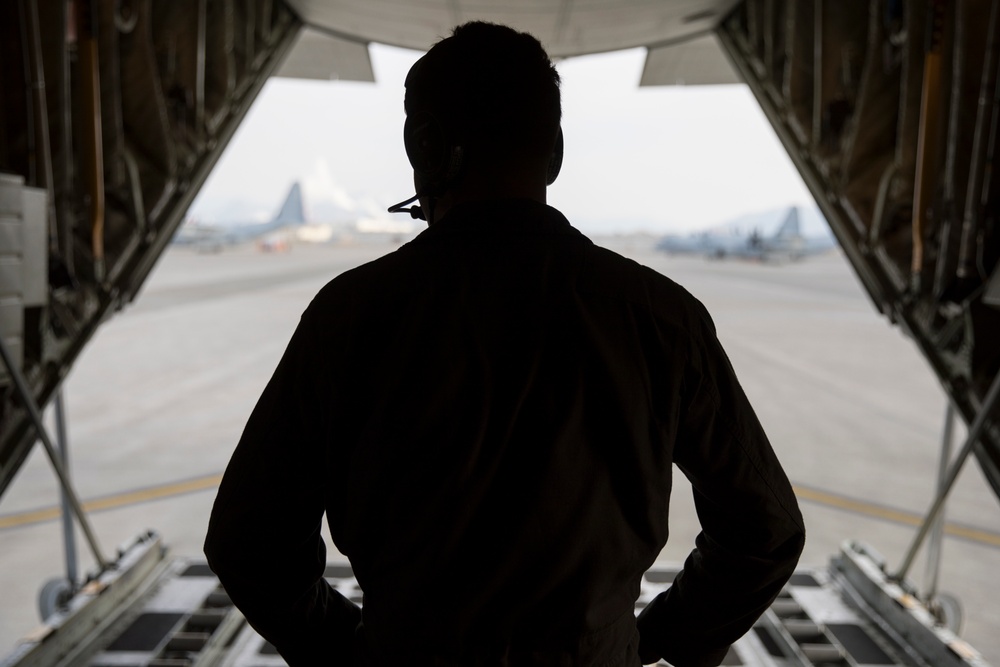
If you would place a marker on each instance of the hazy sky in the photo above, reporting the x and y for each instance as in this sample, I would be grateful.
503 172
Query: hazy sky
657 159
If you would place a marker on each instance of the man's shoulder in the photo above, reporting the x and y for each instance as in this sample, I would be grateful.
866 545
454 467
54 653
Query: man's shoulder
620 277
369 280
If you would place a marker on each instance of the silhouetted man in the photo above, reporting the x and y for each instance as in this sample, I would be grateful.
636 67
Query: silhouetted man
489 416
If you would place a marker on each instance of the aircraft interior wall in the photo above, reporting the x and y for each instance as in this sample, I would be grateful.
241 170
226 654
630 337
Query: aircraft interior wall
116 111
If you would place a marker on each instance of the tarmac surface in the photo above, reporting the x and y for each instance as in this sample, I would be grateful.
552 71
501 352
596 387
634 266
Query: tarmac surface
158 400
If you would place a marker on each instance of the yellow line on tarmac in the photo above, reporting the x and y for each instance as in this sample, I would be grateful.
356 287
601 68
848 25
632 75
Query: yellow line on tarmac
208 482
856 506
28 518
116 501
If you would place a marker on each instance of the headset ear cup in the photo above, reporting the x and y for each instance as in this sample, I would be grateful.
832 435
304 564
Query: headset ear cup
555 162
426 146
456 159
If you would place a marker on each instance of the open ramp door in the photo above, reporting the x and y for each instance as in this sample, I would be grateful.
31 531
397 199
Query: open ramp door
890 112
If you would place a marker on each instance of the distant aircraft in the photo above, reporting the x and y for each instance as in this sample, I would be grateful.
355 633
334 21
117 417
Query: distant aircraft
787 243
217 237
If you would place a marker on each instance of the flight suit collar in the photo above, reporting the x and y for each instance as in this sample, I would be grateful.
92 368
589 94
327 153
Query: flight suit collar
506 216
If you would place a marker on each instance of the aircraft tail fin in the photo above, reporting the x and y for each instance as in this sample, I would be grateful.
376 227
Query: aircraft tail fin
790 227
291 212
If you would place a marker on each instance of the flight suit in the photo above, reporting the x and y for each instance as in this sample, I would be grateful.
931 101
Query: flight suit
489 418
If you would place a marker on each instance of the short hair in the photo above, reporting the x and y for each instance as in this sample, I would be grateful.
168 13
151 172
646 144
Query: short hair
494 90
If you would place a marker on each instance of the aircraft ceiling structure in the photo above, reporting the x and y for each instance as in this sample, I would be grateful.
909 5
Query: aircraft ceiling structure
115 112
566 27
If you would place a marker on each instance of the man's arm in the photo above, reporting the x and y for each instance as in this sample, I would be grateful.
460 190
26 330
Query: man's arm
264 538
752 530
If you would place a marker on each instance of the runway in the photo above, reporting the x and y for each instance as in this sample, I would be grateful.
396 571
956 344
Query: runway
158 400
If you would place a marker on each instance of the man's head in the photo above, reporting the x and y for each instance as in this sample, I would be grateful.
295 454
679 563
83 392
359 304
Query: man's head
482 103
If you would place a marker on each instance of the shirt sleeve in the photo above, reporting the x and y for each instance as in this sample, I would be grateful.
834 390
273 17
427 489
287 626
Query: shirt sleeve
264 539
752 530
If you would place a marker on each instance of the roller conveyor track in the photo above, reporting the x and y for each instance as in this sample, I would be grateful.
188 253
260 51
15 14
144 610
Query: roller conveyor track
152 611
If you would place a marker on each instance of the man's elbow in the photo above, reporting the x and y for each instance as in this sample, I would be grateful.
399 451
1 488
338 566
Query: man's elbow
793 530
221 554
800 540
790 550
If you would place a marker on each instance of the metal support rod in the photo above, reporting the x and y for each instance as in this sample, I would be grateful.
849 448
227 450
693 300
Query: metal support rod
92 139
937 529
36 417
69 537
878 218
199 74
955 118
43 146
924 180
980 147
816 127
62 242
945 489
30 135
39 105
